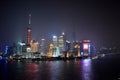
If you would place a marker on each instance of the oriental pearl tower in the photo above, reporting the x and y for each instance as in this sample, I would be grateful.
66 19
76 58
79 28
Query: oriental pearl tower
29 31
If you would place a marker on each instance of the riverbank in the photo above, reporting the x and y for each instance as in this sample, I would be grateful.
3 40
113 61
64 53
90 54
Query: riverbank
45 59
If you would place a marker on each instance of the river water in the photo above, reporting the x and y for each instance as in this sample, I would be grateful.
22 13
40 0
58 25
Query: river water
104 68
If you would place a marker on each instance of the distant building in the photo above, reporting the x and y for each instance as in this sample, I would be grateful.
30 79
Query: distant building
76 49
56 50
86 47
64 41
34 46
93 51
50 53
21 48
61 43
42 46
73 40
55 41
68 45
6 49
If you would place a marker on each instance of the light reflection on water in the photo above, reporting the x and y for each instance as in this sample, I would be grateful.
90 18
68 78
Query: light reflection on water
48 70
32 71
85 69
55 68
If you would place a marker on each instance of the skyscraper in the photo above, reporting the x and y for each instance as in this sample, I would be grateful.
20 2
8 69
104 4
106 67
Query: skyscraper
73 40
42 46
29 31
64 41
34 46
55 41
61 43
86 47
56 50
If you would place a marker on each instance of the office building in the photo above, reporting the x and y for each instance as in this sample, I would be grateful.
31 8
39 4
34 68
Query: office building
34 46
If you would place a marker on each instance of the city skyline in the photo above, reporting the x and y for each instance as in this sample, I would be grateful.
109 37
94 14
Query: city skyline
94 20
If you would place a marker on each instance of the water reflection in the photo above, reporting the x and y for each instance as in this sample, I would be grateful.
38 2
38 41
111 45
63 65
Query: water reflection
32 71
3 69
86 69
49 70
55 70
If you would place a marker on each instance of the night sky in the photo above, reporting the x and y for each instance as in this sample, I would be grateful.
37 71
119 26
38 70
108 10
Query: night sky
98 21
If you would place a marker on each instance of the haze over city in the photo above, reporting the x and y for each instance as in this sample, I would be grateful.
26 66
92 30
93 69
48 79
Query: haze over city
94 20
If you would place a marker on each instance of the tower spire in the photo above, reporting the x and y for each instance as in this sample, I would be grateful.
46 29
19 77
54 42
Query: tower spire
29 19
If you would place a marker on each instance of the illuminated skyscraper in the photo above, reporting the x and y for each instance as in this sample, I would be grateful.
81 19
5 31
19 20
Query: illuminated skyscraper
29 31
42 46
34 46
86 47
64 41
50 53
55 41
56 50
61 43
